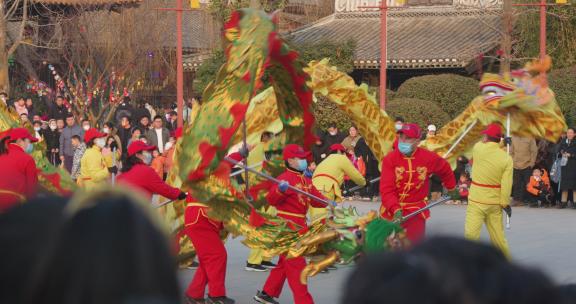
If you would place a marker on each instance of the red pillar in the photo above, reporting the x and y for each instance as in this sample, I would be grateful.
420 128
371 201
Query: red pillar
542 29
179 64
383 52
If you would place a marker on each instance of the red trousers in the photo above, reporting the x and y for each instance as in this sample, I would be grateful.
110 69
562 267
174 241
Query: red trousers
288 269
205 236
415 229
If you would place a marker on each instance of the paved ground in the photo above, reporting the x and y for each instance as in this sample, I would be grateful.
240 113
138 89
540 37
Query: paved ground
541 238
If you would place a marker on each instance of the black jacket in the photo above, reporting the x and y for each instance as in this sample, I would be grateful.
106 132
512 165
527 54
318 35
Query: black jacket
362 150
124 135
57 112
52 139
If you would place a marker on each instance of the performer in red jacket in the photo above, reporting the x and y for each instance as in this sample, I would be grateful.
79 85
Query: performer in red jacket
19 178
404 184
205 236
137 173
293 207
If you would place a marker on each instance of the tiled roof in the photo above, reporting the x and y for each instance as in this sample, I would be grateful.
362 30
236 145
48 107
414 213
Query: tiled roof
87 2
438 37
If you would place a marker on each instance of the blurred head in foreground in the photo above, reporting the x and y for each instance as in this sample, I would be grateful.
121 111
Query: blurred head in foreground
108 248
446 270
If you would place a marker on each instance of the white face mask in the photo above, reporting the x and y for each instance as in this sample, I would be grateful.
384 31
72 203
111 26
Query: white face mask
86 128
106 130
100 142
53 127
37 129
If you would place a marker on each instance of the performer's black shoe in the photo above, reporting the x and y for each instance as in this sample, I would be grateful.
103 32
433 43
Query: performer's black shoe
267 264
193 265
264 298
255 267
219 300
195 301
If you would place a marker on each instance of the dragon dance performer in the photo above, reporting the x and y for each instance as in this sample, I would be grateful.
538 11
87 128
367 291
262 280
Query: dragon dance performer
329 175
137 173
292 207
258 260
405 181
492 170
19 179
93 168
205 236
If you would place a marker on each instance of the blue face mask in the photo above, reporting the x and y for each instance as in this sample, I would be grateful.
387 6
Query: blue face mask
302 165
29 148
405 148
147 158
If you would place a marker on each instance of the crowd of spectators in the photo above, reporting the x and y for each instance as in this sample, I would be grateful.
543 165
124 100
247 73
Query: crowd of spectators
63 132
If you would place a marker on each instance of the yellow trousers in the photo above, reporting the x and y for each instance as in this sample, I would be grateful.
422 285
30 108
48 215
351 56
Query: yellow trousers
256 256
491 215
317 214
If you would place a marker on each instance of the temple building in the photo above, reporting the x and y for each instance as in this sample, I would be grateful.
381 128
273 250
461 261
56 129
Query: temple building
423 36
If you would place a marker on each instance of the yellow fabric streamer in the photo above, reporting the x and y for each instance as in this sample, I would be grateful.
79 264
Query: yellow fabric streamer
373 123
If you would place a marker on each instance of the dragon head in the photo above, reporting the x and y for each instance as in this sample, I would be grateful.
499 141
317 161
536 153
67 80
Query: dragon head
350 235
531 80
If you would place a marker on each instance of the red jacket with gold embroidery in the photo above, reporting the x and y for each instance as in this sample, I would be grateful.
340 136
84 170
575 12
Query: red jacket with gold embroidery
290 204
19 178
405 180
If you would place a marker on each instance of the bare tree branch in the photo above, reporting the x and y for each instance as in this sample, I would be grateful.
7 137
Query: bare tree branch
18 40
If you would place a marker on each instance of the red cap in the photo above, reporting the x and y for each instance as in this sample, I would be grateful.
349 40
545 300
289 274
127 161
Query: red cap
411 130
139 146
293 150
93 133
337 147
493 130
19 133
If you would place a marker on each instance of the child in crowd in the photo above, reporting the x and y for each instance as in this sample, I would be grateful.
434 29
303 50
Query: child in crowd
463 187
79 149
143 138
310 170
158 161
169 154
539 188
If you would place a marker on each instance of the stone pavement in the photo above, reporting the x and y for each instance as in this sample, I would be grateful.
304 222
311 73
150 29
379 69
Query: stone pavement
541 238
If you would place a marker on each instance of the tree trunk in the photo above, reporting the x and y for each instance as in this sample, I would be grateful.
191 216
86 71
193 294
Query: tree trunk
4 80
24 58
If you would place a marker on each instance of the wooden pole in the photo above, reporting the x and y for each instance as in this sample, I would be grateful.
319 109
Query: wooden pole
506 38
383 7
543 6
542 29
179 64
